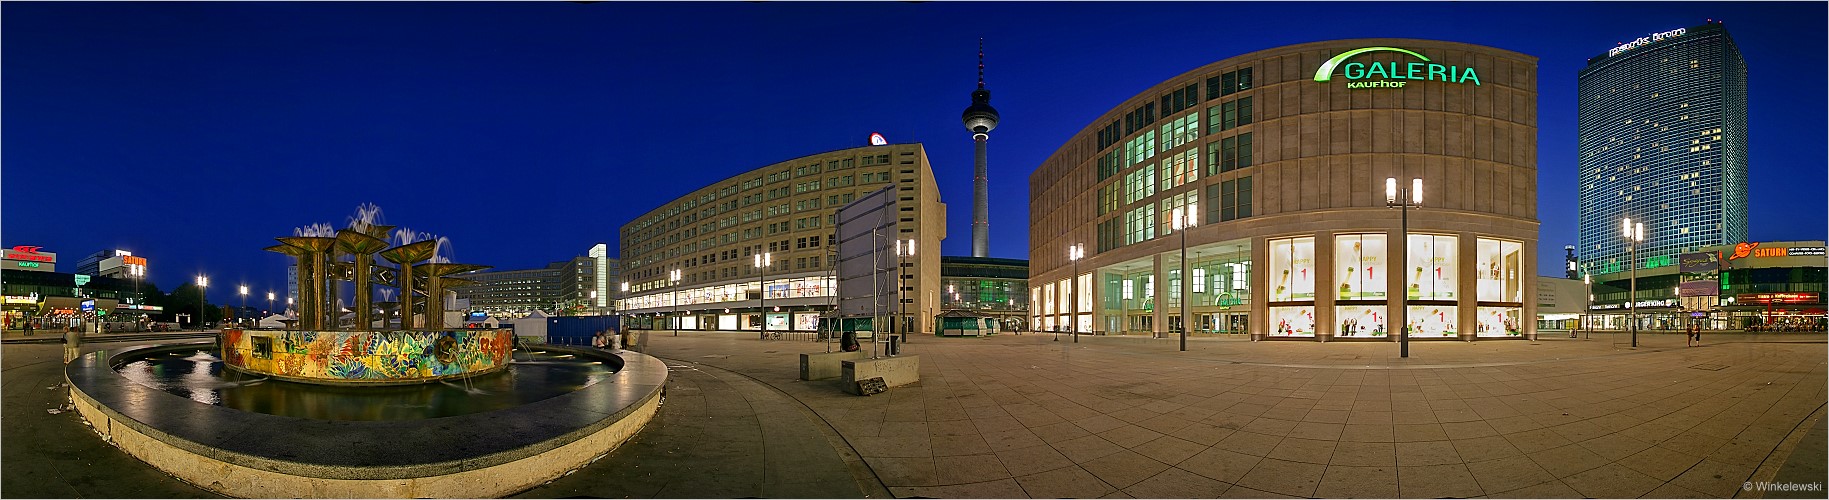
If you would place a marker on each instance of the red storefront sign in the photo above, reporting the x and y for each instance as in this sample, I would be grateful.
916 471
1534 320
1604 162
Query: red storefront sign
28 252
1779 298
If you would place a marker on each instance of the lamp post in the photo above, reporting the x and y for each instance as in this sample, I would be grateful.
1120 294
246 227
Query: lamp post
762 263
1634 233
1402 201
1184 218
901 275
202 298
621 309
673 277
269 302
1074 253
1581 320
244 304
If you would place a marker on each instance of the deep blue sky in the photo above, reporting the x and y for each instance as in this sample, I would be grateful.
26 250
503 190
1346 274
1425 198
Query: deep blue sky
193 134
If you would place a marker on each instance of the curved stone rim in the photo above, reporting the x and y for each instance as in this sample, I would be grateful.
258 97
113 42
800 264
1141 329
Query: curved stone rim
365 450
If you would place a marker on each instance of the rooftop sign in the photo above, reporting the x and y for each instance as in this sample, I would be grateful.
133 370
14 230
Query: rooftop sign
1646 40
1393 73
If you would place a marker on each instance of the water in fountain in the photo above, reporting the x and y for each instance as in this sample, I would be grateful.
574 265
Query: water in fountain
200 376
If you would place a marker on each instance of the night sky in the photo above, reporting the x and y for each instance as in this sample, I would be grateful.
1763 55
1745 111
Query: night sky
193 134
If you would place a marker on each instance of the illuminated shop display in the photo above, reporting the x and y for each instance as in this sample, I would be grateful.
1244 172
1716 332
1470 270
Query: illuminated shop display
721 295
1292 275
1296 321
1359 266
1432 321
1500 322
1431 266
1500 266
1361 321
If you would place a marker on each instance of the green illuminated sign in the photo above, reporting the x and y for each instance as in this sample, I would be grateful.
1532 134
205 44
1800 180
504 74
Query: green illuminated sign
1391 74
28 264
82 279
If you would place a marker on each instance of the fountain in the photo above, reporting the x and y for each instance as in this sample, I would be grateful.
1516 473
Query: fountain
324 409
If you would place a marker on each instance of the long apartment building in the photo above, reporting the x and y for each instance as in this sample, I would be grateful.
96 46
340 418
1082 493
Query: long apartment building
710 239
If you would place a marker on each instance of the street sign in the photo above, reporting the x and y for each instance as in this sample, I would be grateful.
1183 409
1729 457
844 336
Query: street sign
82 279
88 305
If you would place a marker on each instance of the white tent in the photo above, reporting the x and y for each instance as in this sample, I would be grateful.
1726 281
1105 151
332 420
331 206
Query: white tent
275 321
534 325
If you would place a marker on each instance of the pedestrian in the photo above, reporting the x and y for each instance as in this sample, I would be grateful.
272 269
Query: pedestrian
28 328
1695 334
597 340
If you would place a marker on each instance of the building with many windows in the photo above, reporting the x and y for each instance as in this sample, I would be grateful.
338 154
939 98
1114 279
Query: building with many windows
1771 285
714 237
1662 140
1279 159
578 286
987 286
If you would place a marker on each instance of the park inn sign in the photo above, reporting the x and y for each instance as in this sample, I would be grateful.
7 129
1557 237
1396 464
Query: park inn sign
1391 74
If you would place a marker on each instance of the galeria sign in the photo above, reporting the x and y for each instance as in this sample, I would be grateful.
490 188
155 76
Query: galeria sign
1391 74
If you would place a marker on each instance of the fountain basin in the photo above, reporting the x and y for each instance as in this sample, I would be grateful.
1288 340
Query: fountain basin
366 357
246 454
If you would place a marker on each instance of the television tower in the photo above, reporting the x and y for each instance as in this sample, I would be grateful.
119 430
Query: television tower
980 118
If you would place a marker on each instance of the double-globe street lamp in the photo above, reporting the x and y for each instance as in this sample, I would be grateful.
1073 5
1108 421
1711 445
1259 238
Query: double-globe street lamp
244 304
901 275
673 277
762 263
202 298
1184 218
1403 200
1634 232
1074 254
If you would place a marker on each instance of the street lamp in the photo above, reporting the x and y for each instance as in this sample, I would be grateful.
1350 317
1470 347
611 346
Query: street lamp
762 263
1581 320
622 308
202 298
1074 253
1184 218
674 278
269 302
1402 201
1633 233
593 301
901 275
244 304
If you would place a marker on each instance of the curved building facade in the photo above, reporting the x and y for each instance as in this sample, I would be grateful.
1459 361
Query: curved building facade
786 210
1279 159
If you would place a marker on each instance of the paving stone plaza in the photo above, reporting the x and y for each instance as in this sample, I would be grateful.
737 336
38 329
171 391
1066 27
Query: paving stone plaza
1028 416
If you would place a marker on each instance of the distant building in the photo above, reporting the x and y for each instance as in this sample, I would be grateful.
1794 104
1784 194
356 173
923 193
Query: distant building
563 287
1662 139
1769 285
989 286
714 235
59 300
112 263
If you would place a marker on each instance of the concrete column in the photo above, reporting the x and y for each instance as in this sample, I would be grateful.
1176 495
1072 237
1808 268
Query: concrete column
1260 290
1395 287
1467 290
1097 293
1528 279
1159 313
1326 290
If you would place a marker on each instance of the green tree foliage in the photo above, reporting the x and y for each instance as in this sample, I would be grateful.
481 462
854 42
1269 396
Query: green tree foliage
184 300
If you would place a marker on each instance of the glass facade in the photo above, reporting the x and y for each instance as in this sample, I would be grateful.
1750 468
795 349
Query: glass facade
1662 139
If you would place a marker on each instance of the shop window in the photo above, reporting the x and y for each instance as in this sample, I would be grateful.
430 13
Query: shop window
1432 322
1431 266
1499 322
1360 266
1297 321
1292 274
1360 321
1500 268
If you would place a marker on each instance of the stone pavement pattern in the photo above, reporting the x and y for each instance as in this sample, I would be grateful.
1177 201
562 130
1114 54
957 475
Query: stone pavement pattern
1029 417
1023 416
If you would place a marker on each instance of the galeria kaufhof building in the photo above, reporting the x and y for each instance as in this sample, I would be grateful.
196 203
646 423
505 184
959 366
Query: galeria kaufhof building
1282 155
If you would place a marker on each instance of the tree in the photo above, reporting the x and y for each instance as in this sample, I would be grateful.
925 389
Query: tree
184 300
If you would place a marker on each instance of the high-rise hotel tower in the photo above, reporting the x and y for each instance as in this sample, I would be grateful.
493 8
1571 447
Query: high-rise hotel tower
1662 140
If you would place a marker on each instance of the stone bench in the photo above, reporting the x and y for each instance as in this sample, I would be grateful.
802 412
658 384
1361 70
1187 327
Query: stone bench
825 365
895 371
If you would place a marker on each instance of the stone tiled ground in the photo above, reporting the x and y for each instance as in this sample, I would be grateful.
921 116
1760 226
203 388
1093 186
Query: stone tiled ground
1026 416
